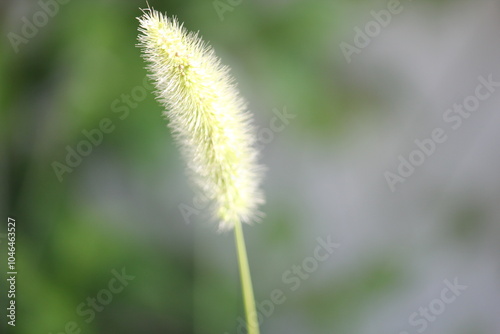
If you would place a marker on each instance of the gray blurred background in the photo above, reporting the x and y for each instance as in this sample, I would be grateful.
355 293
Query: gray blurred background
421 257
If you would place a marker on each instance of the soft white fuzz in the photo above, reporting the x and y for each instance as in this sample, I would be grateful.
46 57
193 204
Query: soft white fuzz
207 116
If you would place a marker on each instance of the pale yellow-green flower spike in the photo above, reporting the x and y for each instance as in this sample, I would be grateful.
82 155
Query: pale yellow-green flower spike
207 116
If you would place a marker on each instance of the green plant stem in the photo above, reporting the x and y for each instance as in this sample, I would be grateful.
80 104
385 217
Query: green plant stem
246 281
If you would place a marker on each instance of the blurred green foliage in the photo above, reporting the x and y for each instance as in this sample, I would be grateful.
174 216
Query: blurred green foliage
119 207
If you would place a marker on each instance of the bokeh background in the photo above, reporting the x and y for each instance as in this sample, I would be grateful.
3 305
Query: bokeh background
120 206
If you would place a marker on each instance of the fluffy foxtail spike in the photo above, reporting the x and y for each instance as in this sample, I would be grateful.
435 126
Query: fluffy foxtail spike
207 116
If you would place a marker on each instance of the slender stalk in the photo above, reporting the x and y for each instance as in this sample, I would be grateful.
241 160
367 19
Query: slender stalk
246 281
